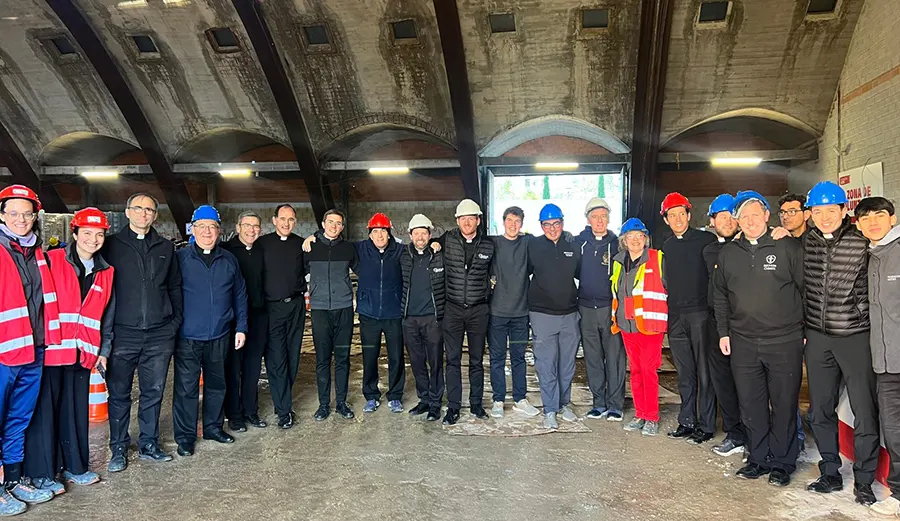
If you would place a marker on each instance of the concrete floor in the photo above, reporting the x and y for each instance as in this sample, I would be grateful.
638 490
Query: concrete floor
390 466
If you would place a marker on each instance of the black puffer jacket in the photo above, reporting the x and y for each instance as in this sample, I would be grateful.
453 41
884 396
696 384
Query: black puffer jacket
435 272
836 300
467 285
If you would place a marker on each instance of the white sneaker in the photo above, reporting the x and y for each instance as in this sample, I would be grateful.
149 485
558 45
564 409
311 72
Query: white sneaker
888 506
568 415
550 421
497 410
524 406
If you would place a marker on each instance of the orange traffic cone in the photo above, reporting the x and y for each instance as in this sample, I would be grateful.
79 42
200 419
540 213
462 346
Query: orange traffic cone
98 409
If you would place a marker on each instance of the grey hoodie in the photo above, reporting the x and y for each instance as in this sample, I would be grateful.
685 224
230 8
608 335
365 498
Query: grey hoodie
884 303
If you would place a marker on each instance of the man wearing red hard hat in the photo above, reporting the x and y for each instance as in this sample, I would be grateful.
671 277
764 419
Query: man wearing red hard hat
58 432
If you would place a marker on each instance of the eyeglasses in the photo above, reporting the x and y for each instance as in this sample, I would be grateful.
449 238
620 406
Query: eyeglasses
207 227
248 226
334 223
141 209
14 215
554 224
789 213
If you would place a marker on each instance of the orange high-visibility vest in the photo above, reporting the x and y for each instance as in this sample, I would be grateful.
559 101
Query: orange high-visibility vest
649 296
79 321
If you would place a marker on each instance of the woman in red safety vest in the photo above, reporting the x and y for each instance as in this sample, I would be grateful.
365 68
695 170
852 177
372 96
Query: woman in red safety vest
29 321
641 313
56 442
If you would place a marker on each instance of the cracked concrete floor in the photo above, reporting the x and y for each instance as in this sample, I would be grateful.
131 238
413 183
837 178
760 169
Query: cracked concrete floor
390 466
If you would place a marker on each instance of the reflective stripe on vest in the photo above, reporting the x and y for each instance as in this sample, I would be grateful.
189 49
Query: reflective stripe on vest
651 312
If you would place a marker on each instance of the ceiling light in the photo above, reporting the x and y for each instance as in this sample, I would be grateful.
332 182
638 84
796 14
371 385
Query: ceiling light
244 172
10 17
736 161
100 174
555 166
389 170
125 4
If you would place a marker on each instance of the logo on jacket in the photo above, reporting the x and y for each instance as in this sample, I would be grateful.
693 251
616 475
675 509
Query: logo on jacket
606 259
568 253
770 263
438 270
483 256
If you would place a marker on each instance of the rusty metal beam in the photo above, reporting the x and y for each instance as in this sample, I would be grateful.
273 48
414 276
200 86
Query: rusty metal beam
22 173
653 59
251 14
173 188
447 15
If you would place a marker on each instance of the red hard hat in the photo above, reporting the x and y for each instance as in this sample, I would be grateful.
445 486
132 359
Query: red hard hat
674 200
20 192
89 217
379 220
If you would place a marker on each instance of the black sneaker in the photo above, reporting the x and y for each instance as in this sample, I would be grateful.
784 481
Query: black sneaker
699 437
451 417
255 421
344 410
237 426
479 412
728 447
286 421
119 460
434 414
864 494
322 413
421 408
826 484
681 432
151 451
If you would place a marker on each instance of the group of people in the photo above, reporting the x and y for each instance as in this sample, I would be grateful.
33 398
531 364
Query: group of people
742 308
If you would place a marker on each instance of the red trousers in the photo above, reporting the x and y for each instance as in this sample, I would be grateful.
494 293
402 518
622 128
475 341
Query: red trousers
644 358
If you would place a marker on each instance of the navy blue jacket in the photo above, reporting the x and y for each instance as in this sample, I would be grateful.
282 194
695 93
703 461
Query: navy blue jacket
380 282
594 287
214 295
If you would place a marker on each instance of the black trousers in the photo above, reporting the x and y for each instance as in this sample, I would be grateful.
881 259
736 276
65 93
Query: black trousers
190 357
473 322
332 333
286 323
151 361
828 361
767 374
889 407
370 331
242 368
426 357
723 384
57 437
689 342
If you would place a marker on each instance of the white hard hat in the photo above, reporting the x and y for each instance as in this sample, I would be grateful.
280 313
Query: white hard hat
419 221
594 203
467 207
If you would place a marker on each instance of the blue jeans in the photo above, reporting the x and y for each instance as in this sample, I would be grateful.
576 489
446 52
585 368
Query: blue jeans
19 388
516 330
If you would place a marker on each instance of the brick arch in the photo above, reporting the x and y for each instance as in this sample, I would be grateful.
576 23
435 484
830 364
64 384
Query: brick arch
387 141
392 119
84 149
223 145
553 126
779 128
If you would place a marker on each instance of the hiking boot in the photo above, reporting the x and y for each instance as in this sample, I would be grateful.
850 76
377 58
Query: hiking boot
48 484
497 410
889 506
119 460
27 493
597 413
88 478
344 410
395 406
728 447
10 506
151 451
420 408
614 415
550 421
635 424
651 428
371 406
524 406
568 414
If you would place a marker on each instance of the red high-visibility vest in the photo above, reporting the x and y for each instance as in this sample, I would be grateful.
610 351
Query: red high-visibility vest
650 299
80 321
16 335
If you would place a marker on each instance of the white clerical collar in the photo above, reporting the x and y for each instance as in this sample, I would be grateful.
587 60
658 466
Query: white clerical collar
828 235
282 237
207 252
754 242
140 236
721 239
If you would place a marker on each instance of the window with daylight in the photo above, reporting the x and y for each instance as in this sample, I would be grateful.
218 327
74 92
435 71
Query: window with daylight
503 23
713 12
594 18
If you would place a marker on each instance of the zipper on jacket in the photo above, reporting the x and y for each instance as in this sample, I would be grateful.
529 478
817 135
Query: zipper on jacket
828 254
143 324
380 289
328 276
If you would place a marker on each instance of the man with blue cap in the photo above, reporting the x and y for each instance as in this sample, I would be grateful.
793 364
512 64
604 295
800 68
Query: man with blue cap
836 308
214 296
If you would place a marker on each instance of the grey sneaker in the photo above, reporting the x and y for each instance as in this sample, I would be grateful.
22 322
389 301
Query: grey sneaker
88 478
550 421
635 424
567 414
650 429
524 406
497 410
48 484
10 506
395 406
27 493
371 406
728 447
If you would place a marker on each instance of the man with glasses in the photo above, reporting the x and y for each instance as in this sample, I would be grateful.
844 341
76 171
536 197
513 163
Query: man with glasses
793 214
331 309
244 365
284 283
214 297
147 319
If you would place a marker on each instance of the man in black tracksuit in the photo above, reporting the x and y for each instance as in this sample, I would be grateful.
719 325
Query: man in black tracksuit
467 263
688 284
149 312
331 310
758 292
423 309
837 345
284 283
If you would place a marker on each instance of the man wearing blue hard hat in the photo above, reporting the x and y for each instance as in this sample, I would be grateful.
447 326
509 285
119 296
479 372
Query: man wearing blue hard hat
554 264
758 284
725 226
837 347
215 296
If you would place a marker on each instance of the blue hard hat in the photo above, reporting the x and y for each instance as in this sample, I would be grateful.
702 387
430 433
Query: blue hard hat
824 193
633 225
550 211
205 212
722 203
748 195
